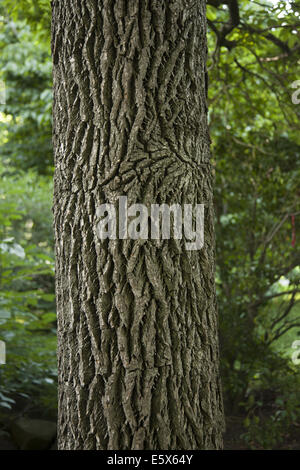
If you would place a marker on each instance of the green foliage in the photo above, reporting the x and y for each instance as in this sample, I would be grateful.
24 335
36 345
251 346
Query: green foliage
272 406
37 13
256 149
27 307
25 67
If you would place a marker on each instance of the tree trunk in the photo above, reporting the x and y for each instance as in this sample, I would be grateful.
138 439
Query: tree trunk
137 320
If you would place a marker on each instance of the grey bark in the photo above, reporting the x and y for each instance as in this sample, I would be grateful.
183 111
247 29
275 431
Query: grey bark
137 320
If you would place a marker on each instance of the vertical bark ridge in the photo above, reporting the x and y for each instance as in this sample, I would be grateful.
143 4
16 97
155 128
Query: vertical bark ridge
137 321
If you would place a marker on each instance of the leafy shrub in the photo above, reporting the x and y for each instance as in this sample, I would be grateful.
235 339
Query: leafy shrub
27 307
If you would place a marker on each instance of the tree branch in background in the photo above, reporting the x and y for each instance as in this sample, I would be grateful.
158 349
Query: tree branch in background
234 20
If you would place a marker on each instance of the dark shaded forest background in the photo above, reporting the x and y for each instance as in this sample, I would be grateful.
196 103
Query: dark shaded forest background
254 111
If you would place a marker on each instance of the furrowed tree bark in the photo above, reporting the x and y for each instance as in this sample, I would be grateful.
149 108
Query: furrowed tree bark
137 319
